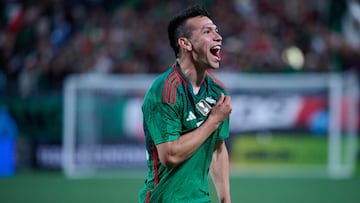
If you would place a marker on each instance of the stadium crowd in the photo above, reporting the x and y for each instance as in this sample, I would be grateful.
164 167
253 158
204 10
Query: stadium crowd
42 42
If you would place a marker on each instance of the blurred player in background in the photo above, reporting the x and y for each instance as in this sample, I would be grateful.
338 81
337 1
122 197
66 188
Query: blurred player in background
186 117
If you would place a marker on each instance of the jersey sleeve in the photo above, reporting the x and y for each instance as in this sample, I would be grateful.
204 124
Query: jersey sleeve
223 131
162 120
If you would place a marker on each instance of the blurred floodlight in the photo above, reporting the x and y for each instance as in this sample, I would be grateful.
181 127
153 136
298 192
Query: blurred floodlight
294 57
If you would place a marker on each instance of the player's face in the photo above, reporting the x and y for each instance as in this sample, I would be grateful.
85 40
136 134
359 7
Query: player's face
206 42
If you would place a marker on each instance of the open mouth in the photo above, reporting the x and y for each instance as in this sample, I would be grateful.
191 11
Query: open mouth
216 52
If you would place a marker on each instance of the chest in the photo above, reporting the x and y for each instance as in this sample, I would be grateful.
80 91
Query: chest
195 110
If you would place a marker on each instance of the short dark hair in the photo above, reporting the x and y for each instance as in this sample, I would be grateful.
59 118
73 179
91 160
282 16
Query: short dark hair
177 26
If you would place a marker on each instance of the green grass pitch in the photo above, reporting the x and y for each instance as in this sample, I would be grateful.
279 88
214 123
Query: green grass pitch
53 187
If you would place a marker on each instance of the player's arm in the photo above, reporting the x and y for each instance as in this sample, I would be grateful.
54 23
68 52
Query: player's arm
175 152
219 172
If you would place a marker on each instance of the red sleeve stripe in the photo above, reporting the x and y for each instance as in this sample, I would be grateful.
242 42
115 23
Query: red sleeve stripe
165 90
174 92
148 195
156 171
182 79
170 87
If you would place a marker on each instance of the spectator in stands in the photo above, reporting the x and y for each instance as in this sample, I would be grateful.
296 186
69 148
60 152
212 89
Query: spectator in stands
41 43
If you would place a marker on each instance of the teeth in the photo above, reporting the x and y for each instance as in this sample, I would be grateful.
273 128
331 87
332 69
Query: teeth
217 47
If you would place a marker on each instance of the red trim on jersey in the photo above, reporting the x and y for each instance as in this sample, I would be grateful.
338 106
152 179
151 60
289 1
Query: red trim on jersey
172 90
166 85
147 200
156 171
171 84
182 79
174 93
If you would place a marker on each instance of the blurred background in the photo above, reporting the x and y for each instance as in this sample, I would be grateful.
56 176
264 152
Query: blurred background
73 74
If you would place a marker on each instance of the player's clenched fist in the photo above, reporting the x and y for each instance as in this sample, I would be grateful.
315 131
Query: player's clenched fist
222 109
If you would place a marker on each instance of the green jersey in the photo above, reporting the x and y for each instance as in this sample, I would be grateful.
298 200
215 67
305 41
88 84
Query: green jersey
171 109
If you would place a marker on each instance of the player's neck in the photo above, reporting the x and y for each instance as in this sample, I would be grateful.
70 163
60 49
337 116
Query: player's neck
195 75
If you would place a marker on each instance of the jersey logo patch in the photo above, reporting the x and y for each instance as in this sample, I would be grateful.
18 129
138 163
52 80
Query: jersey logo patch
210 100
203 107
191 116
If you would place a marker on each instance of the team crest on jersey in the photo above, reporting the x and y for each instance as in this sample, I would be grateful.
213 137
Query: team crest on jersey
210 100
203 107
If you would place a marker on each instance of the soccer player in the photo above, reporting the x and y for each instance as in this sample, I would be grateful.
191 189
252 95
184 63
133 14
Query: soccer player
186 117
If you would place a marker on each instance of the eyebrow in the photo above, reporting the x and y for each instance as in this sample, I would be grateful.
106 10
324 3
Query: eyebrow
209 26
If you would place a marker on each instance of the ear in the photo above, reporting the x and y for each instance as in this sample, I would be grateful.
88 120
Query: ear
185 43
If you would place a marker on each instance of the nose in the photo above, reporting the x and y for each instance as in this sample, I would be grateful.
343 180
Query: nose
217 37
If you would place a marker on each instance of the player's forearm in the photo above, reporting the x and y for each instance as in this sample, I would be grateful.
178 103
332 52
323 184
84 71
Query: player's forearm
219 171
175 152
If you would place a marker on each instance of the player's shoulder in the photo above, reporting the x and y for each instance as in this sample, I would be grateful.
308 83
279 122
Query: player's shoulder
214 81
166 85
